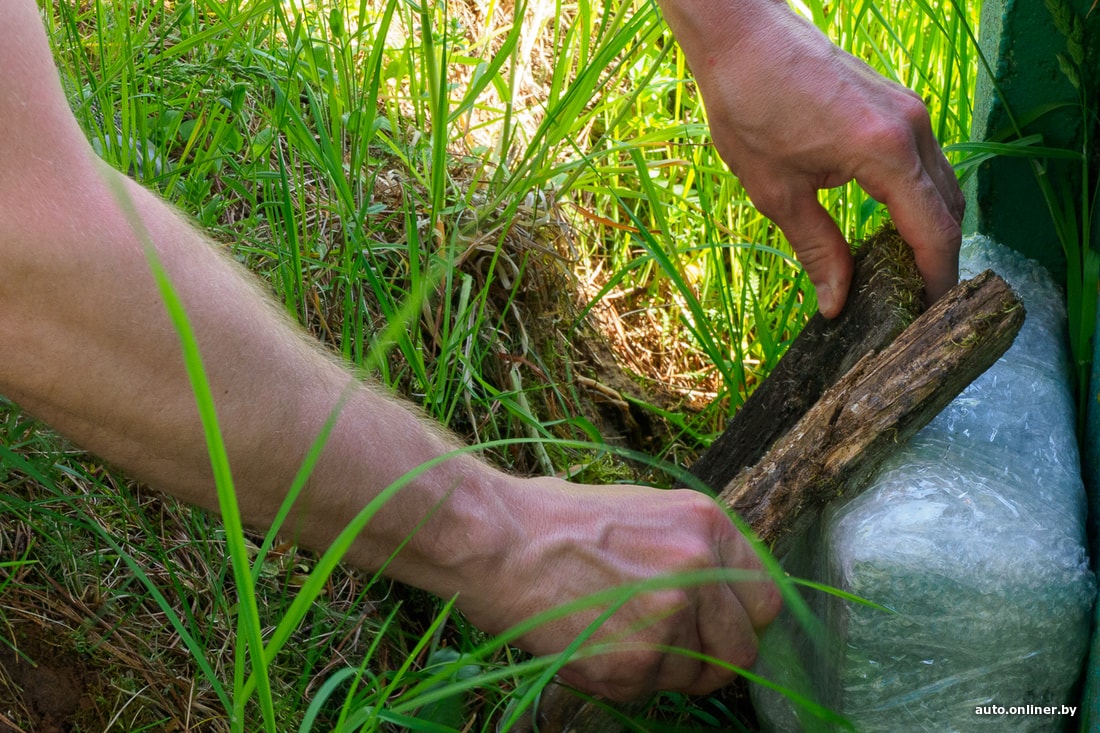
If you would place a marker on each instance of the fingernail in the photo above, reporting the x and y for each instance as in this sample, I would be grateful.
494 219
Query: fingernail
826 300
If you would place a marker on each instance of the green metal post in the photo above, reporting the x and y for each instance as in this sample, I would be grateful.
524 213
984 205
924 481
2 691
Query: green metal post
1027 94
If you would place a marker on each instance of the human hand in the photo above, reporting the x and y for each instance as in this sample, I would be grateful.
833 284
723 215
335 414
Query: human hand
581 540
791 113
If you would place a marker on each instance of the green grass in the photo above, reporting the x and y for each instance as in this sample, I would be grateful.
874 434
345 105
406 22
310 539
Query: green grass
450 200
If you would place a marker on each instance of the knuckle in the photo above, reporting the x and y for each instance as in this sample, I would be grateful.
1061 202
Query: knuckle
892 139
697 503
769 197
720 677
818 256
914 109
958 207
768 606
689 505
745 655
701 506
620 676
665 605
896 134
941 236
951 231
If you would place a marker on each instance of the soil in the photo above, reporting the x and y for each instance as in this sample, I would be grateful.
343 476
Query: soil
45 686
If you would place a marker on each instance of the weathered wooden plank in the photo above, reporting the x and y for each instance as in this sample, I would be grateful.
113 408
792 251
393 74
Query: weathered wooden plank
885 297
875 407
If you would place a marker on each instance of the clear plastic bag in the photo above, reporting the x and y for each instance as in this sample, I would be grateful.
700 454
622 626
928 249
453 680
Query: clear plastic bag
973 536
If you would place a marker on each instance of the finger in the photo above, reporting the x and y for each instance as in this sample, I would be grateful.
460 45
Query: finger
609 676
943 175
940 170
574 676
819 245
638 659
726 634
915 181
925 220
760 599
677 671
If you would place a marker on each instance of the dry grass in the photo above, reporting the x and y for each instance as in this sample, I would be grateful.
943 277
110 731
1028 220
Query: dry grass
68 590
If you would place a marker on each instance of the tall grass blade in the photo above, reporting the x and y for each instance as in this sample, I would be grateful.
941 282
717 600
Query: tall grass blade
219 459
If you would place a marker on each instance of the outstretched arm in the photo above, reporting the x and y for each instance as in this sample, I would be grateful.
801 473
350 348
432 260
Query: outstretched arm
791 113
85 344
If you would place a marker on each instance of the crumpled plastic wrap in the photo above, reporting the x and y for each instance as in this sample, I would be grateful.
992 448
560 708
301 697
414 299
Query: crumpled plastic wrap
973 535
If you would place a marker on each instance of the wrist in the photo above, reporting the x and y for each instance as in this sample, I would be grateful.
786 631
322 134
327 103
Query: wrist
706 28
464 526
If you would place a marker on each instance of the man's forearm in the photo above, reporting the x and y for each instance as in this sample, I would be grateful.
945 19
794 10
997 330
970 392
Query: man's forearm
92 351
706 28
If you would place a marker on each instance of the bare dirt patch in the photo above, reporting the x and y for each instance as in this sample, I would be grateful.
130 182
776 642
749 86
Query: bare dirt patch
45 685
